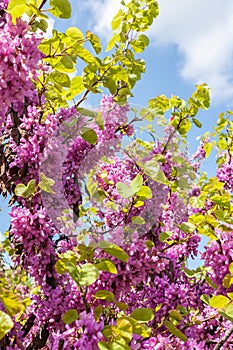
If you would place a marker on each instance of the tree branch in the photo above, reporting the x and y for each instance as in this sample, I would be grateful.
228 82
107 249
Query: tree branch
224 339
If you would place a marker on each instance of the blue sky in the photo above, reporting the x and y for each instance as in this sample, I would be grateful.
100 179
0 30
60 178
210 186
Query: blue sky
191 42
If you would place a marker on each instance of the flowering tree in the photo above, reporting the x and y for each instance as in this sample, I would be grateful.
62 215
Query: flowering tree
101 229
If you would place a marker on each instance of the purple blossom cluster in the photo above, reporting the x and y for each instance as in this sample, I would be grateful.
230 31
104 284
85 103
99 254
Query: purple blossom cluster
225 172
86 333
19 66
150 277
154 276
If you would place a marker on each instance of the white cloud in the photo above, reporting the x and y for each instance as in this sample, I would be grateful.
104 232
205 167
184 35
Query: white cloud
202 30
203 34
49 31
101 14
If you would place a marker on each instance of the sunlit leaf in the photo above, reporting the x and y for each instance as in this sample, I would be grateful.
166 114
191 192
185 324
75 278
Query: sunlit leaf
60 8
88 275
114 250
104 295
6 324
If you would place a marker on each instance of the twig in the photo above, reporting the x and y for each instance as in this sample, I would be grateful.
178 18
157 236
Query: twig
224 339
43 2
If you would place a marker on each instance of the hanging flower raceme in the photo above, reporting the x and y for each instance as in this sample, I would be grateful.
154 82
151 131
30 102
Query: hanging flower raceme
20 63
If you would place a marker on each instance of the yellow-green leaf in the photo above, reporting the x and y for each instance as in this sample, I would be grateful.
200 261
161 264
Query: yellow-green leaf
107 265
104 295
12 304
218 301
6 324
143 314
175 331
60 8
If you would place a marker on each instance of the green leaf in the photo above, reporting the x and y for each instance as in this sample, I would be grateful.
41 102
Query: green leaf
112 42
42 24
70 316
60 78
125 329
67 62
164 236
139 328
158 307
140 43
145 192
222 200
227 316
196 202
88 275
60 267
230 295
197 122
90 136
136 183
87 112
122 306
6 324
201 97
143 315
84 54
227 311
150 244
117 20
60 8
73 271
102 345
108 331
17 8
119 344
26 191
218 301
12 304
184 127
175 331
210 282
151 168
75 33
97 312
107 265
231 268
138 204
190 273
104 295
138 220
187 227
76 87
46 183
99 121
208 146
113 250
95 42
124 190
205 298
174 314
183 311
227 280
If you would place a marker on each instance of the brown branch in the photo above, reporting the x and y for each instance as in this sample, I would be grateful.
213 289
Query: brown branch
43 2
224 339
